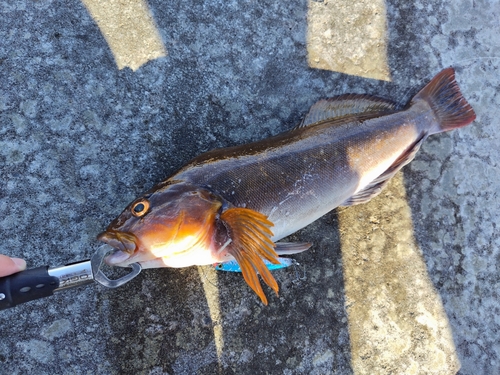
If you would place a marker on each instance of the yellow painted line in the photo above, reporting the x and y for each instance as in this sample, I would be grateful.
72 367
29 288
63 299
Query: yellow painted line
208 277
397 322
348 36
129 30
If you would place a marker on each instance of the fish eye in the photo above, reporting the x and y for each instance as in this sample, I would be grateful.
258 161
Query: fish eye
140 208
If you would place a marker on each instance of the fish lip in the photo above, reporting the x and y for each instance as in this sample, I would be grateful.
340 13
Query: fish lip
125 245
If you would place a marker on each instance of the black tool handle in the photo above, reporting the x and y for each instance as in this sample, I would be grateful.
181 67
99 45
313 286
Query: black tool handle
26 286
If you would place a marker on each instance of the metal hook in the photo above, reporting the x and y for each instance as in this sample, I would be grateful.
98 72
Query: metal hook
101 278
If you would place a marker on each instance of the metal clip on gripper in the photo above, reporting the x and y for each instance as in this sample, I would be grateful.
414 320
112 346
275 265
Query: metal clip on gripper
43 281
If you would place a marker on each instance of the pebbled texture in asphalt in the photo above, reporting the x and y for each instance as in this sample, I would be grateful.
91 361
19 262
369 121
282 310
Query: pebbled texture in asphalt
96 108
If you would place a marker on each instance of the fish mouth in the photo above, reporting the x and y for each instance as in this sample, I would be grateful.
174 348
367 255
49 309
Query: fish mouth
125 245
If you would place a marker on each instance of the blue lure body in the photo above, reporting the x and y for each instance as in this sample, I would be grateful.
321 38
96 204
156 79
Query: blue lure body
233 266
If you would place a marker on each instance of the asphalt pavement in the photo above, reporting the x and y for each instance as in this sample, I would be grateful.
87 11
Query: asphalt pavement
99 102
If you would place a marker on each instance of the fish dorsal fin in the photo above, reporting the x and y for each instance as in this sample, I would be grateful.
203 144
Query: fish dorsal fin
376 186
345 105
250 243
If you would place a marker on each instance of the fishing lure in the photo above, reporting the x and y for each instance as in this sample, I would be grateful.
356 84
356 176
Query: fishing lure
233 266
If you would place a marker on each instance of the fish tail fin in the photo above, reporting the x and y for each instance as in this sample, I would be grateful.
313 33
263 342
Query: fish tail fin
450 107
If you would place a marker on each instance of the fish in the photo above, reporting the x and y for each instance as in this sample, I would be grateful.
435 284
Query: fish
236 203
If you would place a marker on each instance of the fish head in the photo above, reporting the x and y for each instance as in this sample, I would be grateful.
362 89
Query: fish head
164 227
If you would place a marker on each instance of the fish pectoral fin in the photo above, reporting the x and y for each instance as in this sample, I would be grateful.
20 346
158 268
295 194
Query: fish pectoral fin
377 185
288 248
250 244
345 105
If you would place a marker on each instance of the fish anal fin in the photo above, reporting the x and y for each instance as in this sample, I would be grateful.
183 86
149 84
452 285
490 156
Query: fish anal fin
251 242
377 185
365 195
346 105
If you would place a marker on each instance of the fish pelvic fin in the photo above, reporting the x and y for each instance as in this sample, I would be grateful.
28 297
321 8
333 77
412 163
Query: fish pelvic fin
289 248
250 244
450 107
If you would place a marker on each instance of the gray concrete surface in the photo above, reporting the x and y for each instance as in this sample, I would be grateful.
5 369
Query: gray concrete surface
407 284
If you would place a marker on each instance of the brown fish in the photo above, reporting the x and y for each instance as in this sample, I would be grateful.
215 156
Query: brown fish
237 202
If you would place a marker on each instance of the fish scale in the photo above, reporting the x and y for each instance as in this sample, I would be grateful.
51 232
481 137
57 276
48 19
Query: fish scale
297 178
